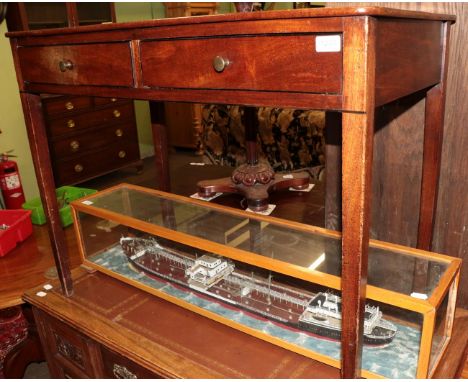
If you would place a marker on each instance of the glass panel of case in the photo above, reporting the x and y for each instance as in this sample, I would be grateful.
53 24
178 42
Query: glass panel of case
312 251
440 331
299 315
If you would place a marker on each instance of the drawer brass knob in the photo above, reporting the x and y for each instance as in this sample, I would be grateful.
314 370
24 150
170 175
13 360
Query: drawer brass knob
65 64
113 99
122 154
78 168
74 145
69 105
119 132
220 63
116 113
71 123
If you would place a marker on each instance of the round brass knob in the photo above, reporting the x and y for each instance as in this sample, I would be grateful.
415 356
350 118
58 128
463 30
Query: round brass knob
220 63
113 99
119 132
69 105
122 154
71 123
116 113
75 145
78 168
65 64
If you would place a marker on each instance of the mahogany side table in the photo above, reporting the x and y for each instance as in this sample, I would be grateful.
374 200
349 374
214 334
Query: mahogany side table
350 60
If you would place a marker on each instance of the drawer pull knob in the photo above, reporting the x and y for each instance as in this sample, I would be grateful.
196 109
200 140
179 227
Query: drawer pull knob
75 145
220 63
121 372
69 105
113 99
119 132
116 113
78 168
71 123
65 64
122 154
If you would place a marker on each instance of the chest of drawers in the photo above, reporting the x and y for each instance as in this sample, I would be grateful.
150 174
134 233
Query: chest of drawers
90 136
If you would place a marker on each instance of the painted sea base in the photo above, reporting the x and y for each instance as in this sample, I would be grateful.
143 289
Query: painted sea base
396 360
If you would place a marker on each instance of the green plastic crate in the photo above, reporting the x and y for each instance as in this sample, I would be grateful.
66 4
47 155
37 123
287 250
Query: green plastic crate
65 195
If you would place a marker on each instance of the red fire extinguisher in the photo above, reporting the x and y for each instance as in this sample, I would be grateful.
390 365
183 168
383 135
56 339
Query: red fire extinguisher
10 182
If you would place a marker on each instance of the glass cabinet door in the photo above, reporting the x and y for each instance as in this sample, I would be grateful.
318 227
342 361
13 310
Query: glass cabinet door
46 15
93 13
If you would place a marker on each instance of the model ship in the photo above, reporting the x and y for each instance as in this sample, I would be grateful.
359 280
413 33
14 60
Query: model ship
217 278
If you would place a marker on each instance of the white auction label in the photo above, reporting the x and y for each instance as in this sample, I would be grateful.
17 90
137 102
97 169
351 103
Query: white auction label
328 43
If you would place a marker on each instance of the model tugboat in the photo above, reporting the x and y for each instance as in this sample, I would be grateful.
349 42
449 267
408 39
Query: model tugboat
216 278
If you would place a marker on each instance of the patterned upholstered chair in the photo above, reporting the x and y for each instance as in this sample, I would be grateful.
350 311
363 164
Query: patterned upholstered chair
289 139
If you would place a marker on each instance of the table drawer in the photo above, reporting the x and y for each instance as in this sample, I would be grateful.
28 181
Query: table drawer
93 164
80 143
117 366
73 124
250 63
66 105
82 64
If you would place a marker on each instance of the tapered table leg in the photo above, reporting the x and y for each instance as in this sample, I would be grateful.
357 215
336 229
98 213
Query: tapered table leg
333 171
160 142
35 125
356 184
432 153
357 137
433 136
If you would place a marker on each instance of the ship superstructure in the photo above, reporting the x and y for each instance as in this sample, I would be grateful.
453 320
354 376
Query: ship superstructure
207 271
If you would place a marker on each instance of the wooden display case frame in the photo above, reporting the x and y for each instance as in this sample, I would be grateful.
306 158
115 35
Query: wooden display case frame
427 308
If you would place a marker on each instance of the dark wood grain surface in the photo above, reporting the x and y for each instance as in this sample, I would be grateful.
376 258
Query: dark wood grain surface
254 63
270 15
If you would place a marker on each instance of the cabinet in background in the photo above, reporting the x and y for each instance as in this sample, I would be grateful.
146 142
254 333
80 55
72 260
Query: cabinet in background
90 136
29 16
87 136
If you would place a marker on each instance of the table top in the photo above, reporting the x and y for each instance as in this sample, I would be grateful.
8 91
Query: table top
244 16
30 264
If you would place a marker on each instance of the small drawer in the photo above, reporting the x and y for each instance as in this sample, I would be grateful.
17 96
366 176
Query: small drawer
72 124
117 366
92 164
81 64
242 63
66 105
94 139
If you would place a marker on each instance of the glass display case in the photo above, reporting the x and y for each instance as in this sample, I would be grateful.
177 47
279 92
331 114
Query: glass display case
274 279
